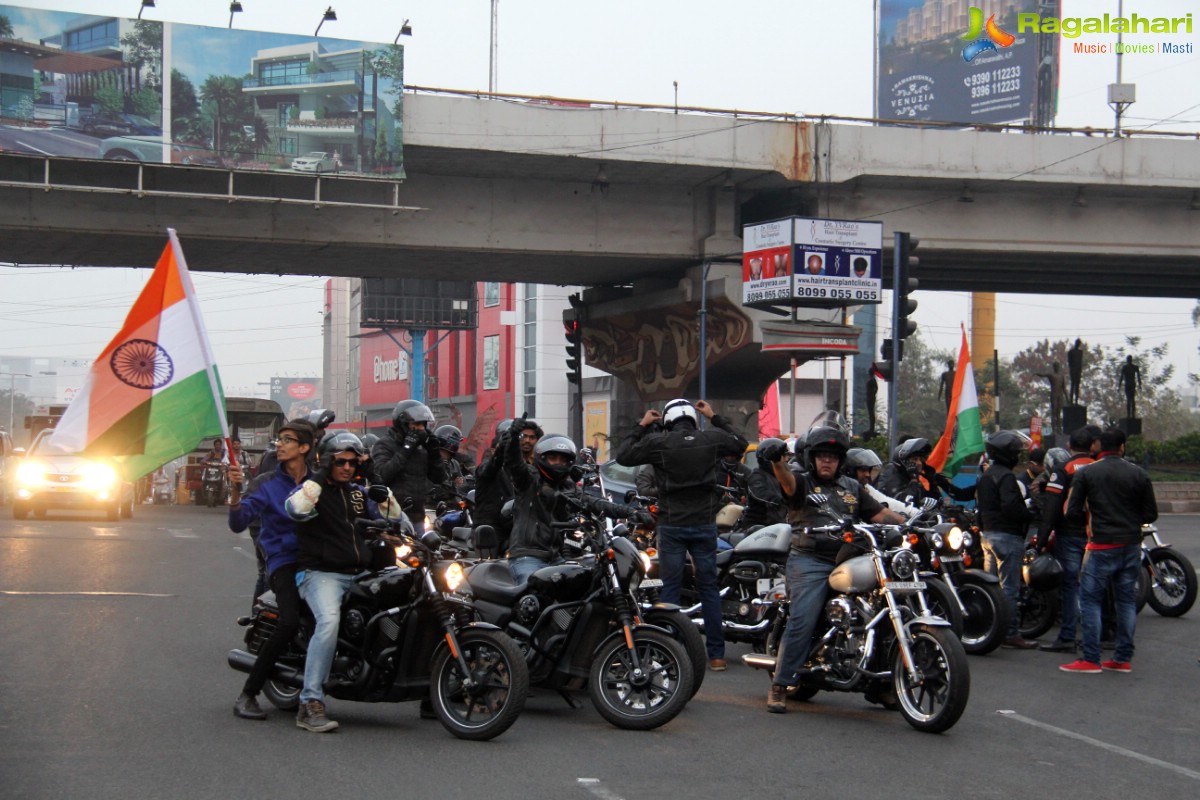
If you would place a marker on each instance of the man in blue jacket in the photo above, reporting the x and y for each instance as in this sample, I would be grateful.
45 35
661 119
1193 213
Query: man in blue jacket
277 545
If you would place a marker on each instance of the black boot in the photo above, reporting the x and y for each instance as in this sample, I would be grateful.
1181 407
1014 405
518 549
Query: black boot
246 706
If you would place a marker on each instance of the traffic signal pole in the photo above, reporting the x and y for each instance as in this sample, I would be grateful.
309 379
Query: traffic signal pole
897 257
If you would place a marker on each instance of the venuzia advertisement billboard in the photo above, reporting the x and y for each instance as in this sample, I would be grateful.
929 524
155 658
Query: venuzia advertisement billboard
140 90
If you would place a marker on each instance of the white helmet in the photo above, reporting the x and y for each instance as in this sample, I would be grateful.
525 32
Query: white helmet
676 410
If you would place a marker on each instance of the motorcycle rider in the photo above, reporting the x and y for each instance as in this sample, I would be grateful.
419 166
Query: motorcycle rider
734 476
320 419
366 468
909 479
1003 517
685 466
456 471
812 557
864 466
331 553
492 486
406 458
545 493
764 496
276 545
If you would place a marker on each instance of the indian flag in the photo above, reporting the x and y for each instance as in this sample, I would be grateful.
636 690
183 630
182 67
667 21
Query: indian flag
963 437
154 393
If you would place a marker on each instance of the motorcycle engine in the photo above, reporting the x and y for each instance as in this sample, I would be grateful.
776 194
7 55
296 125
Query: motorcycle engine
840 613
354 624
528 609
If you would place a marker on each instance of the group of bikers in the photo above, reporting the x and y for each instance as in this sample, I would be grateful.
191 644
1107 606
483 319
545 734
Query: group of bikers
315 484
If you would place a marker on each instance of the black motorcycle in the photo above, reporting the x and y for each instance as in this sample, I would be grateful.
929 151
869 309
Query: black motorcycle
871 640
581 627
1167 580
406 633
212 479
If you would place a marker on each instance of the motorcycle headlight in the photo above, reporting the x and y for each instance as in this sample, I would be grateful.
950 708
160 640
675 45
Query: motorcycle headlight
956 538
904 564
645 559
453 576
937 541
402 553
968 540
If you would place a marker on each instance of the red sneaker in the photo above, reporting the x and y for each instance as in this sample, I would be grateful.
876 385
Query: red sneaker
1081 666
1116 666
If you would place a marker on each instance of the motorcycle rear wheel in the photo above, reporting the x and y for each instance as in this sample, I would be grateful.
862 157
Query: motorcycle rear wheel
502 680
648 702
987 615
282 696
1039 610
687 634
935 703
1173 589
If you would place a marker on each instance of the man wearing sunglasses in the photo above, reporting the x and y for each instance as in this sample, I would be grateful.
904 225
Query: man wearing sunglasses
276 545
331 553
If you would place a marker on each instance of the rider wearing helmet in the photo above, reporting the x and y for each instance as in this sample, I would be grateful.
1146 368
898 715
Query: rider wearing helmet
1003 517
812 556
864 466
331 553
764 497
909 479
406 458
545 493
492 486
456 466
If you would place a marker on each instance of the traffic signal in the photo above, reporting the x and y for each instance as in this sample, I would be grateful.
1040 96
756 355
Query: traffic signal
888 347
574 346
882 370
905 286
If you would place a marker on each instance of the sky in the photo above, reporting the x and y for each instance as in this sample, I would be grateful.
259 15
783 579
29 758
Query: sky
761 55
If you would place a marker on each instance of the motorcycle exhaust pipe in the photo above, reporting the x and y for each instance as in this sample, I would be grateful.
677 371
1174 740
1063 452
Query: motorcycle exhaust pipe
244 662
737 627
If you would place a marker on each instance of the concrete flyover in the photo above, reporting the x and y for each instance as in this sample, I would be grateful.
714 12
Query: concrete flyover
632 200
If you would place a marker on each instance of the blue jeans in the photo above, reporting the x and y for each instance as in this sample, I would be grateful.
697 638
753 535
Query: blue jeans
1003 556
1069 552
1120 565
323 591
524 566
675 542
807 585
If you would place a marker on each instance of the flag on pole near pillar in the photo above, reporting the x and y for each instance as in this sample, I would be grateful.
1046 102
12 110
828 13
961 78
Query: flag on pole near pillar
154 392
963 437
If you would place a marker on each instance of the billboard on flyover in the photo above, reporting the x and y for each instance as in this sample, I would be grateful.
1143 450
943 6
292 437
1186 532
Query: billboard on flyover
140 90
296 396
824 263
943 60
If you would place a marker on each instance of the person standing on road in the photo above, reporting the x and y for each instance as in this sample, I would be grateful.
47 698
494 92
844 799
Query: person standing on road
685 470
1003 518
1119 499
277 547
331 553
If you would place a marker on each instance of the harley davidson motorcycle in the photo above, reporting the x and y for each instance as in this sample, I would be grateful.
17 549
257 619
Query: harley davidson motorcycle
1168 580
871 640
581 628
406 633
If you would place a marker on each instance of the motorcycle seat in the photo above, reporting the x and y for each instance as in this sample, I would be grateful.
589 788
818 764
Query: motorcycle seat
493 581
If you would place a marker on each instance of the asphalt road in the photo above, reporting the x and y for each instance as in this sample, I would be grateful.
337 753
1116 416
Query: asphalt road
113 684
48 141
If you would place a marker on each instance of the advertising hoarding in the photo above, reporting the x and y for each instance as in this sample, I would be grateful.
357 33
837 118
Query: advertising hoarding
120 89
383 369
939 61
812 262
296 396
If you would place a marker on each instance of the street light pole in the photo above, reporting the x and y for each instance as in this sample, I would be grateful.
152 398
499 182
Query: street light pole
12 396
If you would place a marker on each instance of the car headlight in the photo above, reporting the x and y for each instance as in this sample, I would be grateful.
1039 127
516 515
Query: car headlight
30 473
99 476
453 576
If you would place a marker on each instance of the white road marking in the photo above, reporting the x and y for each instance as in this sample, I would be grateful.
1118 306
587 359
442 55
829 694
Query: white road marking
85 594
245 553
594 786
35 149
1112 748
181 533
106 531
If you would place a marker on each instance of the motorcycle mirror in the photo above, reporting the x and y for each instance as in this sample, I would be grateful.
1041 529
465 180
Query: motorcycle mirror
630 496
431 540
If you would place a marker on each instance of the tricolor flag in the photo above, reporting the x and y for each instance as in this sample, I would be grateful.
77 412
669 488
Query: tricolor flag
154 393
963 437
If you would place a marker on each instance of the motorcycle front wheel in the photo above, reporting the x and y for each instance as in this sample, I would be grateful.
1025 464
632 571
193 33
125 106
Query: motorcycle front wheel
1039 610
1172 583
687 634
643 701
501 684
936 701
986 613
941 603
282 696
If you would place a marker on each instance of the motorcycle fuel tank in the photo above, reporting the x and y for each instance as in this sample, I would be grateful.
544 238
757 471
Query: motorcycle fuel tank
767 543
854 576
561 582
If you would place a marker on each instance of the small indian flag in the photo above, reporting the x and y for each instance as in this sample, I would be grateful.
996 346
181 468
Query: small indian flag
154 393
963 437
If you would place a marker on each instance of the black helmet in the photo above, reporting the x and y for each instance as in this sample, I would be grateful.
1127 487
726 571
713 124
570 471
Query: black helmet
554 443
912 448
679 410
369 440
340 442
321 418
1043 572
771 450
861 458
449 438
1004 447
825 440
407 411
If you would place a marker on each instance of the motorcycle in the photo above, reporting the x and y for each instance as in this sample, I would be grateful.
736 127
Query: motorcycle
580 626
162 493
213 484
1168 580
1038 606
872 641
406 633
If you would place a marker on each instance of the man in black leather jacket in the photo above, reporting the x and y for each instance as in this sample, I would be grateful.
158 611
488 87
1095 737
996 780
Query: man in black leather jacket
764 496
909 479
406 458
1119 499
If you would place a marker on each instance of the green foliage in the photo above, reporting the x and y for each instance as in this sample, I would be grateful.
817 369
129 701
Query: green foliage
6 28
143 48
920 411
109 97
388 62
147 103
381 146
228 109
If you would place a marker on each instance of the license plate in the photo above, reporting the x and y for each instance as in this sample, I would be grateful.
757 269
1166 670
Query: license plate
651 583
906 586
951 559
767 584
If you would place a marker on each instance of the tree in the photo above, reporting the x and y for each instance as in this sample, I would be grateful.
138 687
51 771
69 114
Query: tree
262 134
143 48
107 95
226 106
388 64
6 28
381 145
919 411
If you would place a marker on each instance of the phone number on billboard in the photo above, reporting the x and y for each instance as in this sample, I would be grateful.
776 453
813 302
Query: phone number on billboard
995 81
861 295
763 295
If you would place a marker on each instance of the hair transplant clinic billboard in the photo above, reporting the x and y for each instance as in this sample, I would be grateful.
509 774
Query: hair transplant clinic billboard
139 90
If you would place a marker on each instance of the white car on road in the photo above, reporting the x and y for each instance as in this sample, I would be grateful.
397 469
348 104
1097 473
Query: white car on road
314 162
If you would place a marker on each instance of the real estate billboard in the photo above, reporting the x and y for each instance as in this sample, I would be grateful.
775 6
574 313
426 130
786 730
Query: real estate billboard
140 90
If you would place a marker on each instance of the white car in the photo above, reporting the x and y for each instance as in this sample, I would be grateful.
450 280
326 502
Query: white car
313 162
